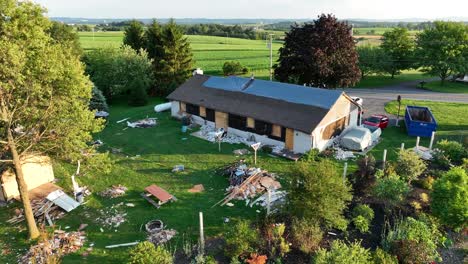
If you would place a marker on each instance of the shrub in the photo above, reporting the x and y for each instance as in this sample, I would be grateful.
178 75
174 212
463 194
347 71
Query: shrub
233 68
416 205
391 191
412 241
147 253
424 197
138 94
427 183
341 253
362 217
409 165
381 257
366 172
439 158
280 245
311 155
450 198
306 235
241 239
319 194
98 101
453 150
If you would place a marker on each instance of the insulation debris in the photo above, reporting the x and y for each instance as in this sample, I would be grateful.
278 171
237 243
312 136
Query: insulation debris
241 152
162 236
101 114
341 154
112 217
143 123
115 191
61 243
208 132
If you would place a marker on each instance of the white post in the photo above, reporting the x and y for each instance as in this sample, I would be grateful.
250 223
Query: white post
417 143
345 171
432 140
402 146
268 201
202 236
255 158
271 57
384 159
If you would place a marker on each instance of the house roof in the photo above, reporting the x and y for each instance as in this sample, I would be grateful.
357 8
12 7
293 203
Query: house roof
292 106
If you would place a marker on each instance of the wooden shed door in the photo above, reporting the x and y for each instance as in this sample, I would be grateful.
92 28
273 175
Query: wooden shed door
221 120
289 142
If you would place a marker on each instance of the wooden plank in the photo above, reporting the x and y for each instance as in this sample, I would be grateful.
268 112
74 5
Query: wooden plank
276 131
221 120
250 122
289 142
202 111
183 107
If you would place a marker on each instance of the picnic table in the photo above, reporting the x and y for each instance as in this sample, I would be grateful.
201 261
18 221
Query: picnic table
159 193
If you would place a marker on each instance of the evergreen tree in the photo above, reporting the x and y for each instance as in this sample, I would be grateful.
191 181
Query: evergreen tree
138 94
321 54
155 48
133 35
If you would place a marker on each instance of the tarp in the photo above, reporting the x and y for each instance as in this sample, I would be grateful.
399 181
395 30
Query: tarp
375 132
356 138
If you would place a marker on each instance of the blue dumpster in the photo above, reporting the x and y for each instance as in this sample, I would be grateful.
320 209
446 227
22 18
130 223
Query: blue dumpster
419 121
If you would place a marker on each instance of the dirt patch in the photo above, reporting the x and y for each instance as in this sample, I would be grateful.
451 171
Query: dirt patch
197 188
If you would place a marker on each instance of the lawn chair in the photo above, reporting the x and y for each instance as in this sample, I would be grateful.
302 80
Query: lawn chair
161 195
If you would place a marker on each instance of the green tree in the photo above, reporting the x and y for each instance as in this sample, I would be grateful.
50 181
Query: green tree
391 190
241 239
399 46
321 54
155 48
442 49
233 68
319 194
381 257
450 198
409 165
372 60
453 150
176 63
44 95
138 93
112 70
133 35
307 235
147 253
98 101
341 253
362 217
65 35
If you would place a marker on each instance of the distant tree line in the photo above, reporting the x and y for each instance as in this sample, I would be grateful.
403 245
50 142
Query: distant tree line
235 31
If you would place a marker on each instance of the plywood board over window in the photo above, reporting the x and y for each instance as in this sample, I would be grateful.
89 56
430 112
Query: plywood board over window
221 120
276 131
289 142
183 108
250 122
202 111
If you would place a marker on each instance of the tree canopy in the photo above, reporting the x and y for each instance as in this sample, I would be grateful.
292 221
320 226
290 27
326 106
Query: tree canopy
320 54
133 35
399 46
66 35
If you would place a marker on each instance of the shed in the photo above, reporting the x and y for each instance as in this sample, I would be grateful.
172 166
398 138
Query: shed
419 121
37 171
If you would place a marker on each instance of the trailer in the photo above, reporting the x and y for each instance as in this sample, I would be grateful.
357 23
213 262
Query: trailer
419 121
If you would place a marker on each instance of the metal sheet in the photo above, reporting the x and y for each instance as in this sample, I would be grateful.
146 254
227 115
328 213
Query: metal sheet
62 200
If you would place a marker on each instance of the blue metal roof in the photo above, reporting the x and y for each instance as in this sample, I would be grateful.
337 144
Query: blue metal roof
292 93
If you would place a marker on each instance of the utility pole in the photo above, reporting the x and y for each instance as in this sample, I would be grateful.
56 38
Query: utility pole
271 55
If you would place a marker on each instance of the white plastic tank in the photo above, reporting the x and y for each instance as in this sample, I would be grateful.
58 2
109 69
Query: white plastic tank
162 107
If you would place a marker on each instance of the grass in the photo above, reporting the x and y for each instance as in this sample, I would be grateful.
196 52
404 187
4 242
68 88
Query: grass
447 87
209 52
376 81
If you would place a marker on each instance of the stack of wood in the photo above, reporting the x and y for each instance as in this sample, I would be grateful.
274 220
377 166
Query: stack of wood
43 210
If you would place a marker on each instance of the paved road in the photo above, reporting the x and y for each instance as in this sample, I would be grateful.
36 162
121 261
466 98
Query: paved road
376 98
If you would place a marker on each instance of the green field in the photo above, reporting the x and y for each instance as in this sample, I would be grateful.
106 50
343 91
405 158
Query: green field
376 81
376 31
209 52
447 87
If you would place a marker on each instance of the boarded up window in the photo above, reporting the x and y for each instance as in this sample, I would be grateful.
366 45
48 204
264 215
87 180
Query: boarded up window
335 128
276 131
221 120
202 111
210 114
250 122
182 107
193 109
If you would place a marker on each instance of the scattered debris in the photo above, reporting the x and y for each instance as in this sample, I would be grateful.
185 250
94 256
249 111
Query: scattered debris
161 237
154 226
178 168
101 114
423 152
208 132
43 210
282 152
123 120
98 143
341 154
115 191
241 152
197 188
226 220
112 217
130 204
82 227
123 245
143 123
64 201
61 243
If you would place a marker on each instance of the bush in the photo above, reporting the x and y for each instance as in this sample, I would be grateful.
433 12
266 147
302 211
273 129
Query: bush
427 183
409 165
138 94
439 158
233 68
340 253
453 150
319 194
450 198
98 101
241 239
412 241
147 253
381 257
311 155
366 166
306 235
391 191
362 217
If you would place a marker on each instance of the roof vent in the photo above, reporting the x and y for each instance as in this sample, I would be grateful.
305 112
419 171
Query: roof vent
248 83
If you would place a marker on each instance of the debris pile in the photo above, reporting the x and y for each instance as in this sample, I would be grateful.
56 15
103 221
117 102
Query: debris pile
114 191
341 154
178 168
248 183
143 123
42 209
161 236
208 132
240 152
112 217
61 243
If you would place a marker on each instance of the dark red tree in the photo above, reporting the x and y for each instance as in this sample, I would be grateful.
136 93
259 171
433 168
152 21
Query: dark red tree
320 54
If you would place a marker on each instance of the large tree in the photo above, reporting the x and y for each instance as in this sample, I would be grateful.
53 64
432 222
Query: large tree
155 47
44 95
133 35
320 54
372 60
66 35
399 46
443 49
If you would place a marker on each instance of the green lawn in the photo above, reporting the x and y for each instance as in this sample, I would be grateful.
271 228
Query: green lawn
209 52
447 87
376 81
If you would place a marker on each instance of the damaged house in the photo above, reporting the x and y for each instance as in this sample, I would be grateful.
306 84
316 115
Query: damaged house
295 117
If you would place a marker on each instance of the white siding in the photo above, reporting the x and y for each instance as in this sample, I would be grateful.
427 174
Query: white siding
302 142
175 109
353 117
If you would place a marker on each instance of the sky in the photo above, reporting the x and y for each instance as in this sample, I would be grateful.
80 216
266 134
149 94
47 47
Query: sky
289 9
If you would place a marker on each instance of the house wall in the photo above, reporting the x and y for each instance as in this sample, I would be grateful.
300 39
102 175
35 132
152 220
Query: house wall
37 171
302 142
175 109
